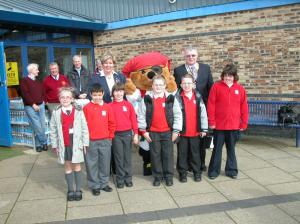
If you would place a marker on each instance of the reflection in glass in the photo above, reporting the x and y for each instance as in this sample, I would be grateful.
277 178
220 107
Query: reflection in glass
61 37
62 56
36 36
39 55
83 39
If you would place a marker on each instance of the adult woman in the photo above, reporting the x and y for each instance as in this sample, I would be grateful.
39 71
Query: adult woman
107 77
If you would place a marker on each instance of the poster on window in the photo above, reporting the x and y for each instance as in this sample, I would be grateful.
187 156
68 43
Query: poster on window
12 74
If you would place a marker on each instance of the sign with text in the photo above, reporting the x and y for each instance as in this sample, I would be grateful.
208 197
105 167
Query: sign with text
12 74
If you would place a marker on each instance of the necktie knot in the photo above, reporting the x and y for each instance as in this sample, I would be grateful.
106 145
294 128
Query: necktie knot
68 112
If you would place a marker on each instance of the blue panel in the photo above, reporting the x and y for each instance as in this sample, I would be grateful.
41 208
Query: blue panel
5 131
203 11
21 18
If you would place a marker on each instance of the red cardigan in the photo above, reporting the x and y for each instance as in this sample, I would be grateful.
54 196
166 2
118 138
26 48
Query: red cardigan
227 107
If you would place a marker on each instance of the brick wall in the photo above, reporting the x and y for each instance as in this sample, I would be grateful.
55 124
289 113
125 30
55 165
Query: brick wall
264 43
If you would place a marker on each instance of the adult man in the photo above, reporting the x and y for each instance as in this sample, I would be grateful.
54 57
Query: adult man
51 85
33 98
79 78
204 81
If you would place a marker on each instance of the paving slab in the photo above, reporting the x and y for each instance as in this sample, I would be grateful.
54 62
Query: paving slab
285 188
38 211
297 174
155 222
241 189
292 208
11 185
13 170
190 187
45 175
46 162
290 165
146 200
3 218
251 162
215 218
199 199
43 190
268 214
18 160
7 202
94 211
270 175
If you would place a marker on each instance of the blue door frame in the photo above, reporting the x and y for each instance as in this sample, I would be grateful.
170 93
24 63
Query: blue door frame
5 128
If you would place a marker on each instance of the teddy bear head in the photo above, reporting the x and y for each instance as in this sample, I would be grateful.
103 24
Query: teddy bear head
141 69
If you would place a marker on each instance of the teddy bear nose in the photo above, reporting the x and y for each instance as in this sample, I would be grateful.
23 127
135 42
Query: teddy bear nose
151 74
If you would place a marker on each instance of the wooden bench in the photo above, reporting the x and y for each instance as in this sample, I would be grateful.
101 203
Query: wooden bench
265 113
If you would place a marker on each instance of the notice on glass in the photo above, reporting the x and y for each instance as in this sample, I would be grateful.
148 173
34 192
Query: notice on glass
12 74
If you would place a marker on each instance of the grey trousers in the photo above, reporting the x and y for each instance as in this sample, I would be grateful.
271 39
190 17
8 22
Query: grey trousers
97 161
121 146
161 150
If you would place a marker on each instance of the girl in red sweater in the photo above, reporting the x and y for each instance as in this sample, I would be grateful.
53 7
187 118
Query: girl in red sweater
126 132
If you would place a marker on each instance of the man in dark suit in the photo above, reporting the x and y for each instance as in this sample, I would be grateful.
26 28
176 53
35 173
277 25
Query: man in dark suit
204 81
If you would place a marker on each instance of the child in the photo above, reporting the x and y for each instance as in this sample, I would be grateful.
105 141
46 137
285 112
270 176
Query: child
227 115
160 121
122 142
69 138
194 126
101 124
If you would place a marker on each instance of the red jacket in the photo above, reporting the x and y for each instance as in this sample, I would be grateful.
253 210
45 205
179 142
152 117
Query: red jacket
227 107
100 120
51 87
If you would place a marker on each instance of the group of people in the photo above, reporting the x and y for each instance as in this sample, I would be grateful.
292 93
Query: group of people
104 129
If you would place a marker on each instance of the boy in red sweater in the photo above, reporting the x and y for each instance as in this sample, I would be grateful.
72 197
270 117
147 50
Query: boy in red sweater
101 124
227 115
126 127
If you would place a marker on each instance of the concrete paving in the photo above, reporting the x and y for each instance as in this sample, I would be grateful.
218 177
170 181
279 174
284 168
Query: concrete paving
267 190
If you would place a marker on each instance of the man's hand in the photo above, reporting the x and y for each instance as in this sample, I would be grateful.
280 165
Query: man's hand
36 107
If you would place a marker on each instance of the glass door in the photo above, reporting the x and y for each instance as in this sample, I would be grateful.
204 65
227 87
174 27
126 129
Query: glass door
39 55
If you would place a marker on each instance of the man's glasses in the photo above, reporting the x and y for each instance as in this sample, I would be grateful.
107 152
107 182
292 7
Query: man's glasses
190 55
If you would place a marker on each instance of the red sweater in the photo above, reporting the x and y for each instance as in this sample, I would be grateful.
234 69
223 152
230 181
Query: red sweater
100 120
32 91
190 108
159 121
227 107
51 87
67 124
125 116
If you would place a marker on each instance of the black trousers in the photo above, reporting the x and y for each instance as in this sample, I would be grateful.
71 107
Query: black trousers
188 154
162 158
229 137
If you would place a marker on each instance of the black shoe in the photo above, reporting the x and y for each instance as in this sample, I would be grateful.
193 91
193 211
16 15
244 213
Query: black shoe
120 185
129 184
45 147
212 177
78 195
197 177
96 192
70 196
156 182
203 168
39 149
169 182
182 178
107 189
232 176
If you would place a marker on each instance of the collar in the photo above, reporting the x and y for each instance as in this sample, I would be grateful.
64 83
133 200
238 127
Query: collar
102 73
55 77
159 96
188 66
64 109
31 76
99 104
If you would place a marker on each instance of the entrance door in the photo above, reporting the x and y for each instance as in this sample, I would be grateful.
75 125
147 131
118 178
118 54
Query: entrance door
5 129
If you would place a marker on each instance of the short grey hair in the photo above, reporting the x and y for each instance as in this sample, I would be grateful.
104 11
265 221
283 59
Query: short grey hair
53 64
76 56
190 48
31 66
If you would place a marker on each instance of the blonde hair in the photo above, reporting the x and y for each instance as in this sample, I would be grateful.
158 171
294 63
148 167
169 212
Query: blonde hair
159 77
106 57
66 89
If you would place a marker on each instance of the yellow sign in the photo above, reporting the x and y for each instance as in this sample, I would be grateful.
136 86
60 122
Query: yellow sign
12 74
